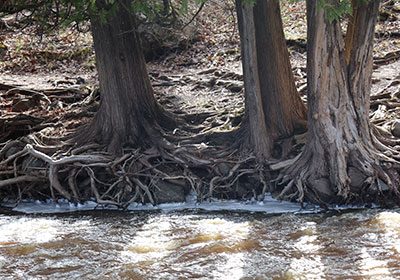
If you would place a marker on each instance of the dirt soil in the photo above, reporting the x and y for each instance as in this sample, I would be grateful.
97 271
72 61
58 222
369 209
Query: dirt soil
48 83
204 77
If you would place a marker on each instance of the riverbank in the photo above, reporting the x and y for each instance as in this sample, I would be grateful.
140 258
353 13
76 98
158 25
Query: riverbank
49 90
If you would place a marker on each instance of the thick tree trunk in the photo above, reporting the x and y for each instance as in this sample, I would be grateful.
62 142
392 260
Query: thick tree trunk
339 162
128 110
260 139
273 106
284 110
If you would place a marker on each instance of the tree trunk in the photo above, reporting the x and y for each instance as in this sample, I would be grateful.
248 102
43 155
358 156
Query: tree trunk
260 140
284 110
340 162
273 106
128 110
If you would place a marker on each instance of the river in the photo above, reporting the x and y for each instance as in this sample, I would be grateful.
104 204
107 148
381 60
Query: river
200 244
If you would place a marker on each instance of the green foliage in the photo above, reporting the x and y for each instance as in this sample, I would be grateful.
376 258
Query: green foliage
49 14
334 11
142 7
185 5
250 3
155 8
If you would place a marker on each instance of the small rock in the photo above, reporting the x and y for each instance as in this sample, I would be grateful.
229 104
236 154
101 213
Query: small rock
324 188
374 188
357 179
166 192
384 186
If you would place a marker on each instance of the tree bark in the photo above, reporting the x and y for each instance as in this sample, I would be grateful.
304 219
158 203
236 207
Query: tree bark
129 112
273 106
339 162
260 140
284 110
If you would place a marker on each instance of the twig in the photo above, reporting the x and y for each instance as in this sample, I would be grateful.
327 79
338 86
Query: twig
194 16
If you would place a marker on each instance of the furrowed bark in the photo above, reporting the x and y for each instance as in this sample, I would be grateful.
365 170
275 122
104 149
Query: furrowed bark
339 162
260 138
274 109
128 110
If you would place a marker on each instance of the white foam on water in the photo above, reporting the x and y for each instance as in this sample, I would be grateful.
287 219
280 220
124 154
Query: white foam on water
268 205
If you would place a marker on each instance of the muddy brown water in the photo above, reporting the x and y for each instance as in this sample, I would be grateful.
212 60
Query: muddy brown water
354 244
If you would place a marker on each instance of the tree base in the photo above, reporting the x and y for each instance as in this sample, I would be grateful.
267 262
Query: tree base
372 177
143 175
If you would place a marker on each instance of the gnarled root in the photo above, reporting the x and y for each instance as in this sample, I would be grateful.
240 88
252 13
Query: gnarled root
138 175
366 177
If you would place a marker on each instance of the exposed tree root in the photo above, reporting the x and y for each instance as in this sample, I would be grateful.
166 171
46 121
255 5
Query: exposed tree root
32 169
39 167
371 176
343 161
